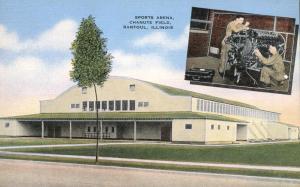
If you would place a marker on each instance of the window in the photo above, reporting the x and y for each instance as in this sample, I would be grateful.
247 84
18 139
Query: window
146 104
89 129
132 87
205 106
106 129
215 107
188 126
218 107
219 127
84 105
95 129
226 109
75 105
84 90
98 104
91 105
132 104
211 106
212 127
140 104
111 105
201 105
221 108
118 105
124 105
199 18
6 125
104 105
228 128
208 106
112 129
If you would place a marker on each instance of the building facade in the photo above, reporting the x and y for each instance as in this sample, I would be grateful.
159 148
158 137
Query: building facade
136 109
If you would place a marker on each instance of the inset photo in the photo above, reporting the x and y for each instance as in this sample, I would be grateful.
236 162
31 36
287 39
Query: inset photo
241 50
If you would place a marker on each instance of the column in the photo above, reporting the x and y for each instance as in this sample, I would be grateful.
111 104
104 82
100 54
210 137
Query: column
43 127
134 131
70 129
101 131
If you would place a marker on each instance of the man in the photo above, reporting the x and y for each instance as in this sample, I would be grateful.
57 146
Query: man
274 67
234 26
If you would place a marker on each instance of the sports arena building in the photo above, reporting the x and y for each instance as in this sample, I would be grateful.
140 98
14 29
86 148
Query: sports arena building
140 110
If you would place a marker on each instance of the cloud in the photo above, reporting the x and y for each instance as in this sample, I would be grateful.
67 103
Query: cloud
151 67
28 79
31 76
163 41
8 41
57 38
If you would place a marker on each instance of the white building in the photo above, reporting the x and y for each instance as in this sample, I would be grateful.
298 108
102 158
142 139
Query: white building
135 109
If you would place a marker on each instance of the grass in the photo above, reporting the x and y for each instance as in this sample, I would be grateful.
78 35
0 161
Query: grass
251 172
286 154
40 141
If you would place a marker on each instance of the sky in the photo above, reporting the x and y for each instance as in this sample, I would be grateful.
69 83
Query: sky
35 37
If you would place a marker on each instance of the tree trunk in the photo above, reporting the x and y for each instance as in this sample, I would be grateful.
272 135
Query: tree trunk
97 123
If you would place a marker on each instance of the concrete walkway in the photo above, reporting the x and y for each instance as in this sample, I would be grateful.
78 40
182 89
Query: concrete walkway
146 142
236 166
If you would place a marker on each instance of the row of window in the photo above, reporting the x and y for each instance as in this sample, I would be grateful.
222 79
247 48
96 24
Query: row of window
212 127
112 105
143 104
222 108
75 105
106 129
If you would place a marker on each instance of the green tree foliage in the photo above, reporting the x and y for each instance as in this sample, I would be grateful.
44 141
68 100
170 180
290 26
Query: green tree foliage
91 62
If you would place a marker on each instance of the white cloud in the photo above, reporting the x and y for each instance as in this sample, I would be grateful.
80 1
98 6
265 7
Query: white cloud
9 41
31 76
151 67
27 80
163 41
57 38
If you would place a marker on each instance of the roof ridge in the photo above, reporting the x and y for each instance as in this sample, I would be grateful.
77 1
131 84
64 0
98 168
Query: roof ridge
201 95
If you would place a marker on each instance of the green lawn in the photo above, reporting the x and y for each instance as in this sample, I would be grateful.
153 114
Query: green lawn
40 141
287 154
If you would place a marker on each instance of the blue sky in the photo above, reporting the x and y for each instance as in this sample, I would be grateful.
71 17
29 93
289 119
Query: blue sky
35 36
30 18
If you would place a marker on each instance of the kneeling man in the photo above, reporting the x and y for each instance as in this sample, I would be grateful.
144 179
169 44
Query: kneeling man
274 66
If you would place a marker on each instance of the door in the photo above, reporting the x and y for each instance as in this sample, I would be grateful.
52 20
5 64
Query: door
54 131
165 134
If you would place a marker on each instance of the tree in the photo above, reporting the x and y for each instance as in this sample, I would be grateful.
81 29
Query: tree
91 63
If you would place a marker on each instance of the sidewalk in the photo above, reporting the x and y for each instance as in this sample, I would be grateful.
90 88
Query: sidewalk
145 142
236 166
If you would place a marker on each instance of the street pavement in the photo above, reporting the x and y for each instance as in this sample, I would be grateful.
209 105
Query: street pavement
46 174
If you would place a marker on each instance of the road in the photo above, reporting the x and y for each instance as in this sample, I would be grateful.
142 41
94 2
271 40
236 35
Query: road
45 174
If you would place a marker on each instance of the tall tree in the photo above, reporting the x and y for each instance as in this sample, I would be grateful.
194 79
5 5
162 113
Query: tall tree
91 62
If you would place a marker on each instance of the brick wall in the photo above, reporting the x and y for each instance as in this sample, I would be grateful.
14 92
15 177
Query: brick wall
198 44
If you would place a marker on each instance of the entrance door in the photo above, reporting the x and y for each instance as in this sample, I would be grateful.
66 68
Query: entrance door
54 131
241 132
165 134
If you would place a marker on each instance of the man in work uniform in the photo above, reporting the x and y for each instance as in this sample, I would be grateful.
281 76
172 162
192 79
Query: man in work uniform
274 67
234 26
